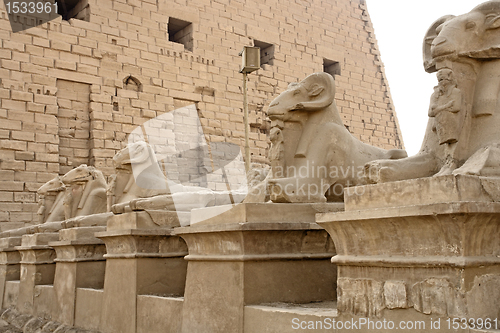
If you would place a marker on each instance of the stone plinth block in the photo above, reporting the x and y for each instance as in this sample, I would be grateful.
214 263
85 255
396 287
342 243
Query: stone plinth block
138 262
258 212
10 242
10 263
423 191
150 219
253 257
37 267
80 263
438 259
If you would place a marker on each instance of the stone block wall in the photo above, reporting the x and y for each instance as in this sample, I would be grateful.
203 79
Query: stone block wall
72 90
74 124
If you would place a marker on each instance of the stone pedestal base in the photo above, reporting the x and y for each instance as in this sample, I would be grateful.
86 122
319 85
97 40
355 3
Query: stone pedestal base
80 263
440 260
37 267
10 263
139 261
253 256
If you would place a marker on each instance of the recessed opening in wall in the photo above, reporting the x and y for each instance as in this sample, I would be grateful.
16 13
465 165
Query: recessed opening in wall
181 32
132 83
77 9
331 67
266 52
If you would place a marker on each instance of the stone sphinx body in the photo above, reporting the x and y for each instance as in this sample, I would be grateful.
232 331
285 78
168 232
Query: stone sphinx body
82 196
49 193
80 192
311 150
76 199
468 47
140 184
125 186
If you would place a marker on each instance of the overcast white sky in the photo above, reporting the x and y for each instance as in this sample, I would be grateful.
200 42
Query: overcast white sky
400 26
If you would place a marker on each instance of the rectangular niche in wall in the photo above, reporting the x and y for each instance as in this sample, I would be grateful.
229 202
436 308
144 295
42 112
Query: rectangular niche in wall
181 32
331 67
266 52
73 99
77 9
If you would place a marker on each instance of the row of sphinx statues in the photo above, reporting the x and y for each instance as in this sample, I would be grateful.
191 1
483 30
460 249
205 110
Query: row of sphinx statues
83 196
311 150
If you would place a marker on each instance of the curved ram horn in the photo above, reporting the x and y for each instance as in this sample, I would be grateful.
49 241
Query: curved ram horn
429 65
488 7
321 88
139 153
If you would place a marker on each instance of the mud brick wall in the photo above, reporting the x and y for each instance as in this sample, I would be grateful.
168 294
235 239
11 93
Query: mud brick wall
117 58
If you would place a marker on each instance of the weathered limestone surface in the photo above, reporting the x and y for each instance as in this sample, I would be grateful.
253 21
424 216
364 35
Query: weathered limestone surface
88 308
252 257
461 136
10 263
37 267
312 153
287 317
410 250
72 90
80 264
424 191
437 254
11 294
44 301
142 258
430 245
262 213
167 316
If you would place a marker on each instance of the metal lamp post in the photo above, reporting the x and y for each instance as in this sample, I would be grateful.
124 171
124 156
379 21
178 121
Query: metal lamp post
251 62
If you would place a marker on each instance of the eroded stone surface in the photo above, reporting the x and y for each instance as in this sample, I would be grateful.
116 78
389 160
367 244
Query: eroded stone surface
311 149
461 135
438 296
262 212
361 297
253 254
438 236
424 191
395 295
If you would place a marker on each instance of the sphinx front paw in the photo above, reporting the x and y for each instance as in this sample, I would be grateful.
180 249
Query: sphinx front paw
379 171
